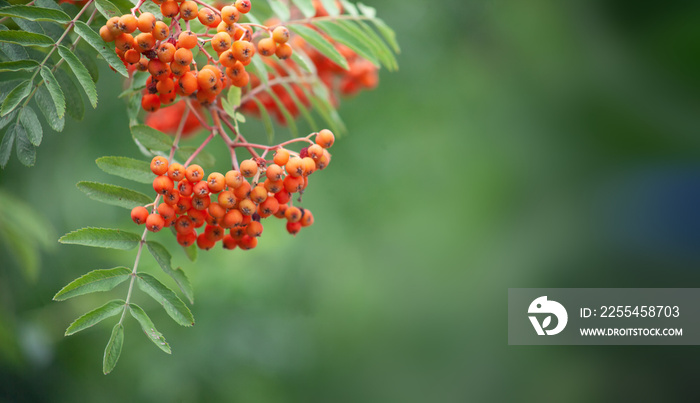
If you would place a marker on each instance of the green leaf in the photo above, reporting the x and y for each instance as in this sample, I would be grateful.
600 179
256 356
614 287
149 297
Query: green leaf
300 105
330 7
107 52
34 13
306 7
96 316
88 60
128 168
349 8
191 252
133 107
6 146
316 40
265 117
166 297
81 73
24 148
151 7
388 34
7 119
204 158
367 11
48 4
55 91
149 328
15 96
280 9
151 138
26 38
302 59
75 107
18 65
107 9
341 34
114 195
14 52
234 96
31 124
113 349
94 281
163 258
240 117
102 238
366 34
288 119
48 109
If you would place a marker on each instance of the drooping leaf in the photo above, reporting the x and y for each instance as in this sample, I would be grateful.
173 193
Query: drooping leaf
54 90
81 73
280 9
102 238
388 34
26 38
75 107
94 281
341 34
163 258
149 328
316 40
128 168
113 349
306 7
151 138
34 13
31 125
107 9
96 316
114 195
6 146
107 52
18 65
26 153
15 96
166 297
48 109
363 31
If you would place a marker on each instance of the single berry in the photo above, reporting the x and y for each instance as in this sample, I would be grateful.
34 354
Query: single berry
155 222
139 214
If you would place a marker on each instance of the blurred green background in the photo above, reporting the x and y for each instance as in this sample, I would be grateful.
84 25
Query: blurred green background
522 144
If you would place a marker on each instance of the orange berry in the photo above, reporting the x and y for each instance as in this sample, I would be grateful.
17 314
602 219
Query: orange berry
295 167
216 182
231 219
284 51
194 173
293 227
132 56
204 243
281 210
106 34
169 9
283 197
213 232
113 26
185 187
184 204
267 47
145 41
274 172
258 194
208 17
306 218
227 199
172 197
183 56
293 184
186 239
183 225
128 23
230 15
166 52
242 191
198 217
146 22
139 214
187 83
188 10
243 6
281 157
157 68
244 33
254 229
124 42
325 138
206 79
243 50
166 211
143 64
154 222
201 203
292 214
273 186
269 206
159 165
150 102
187 40
224 27
227 60
161 31
229 243
163 184
249 168
324 161
308 165
221 42
201 189
280 34
217 210
179 70
247 207
234 179
315 151
165 86
247 242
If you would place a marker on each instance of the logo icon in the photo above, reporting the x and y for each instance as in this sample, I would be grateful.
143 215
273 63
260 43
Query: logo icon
542 305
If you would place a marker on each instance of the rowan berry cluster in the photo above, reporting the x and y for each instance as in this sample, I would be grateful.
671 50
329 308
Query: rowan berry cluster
222 202
166 52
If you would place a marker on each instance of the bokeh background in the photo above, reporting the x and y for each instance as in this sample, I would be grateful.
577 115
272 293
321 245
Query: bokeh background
522 144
